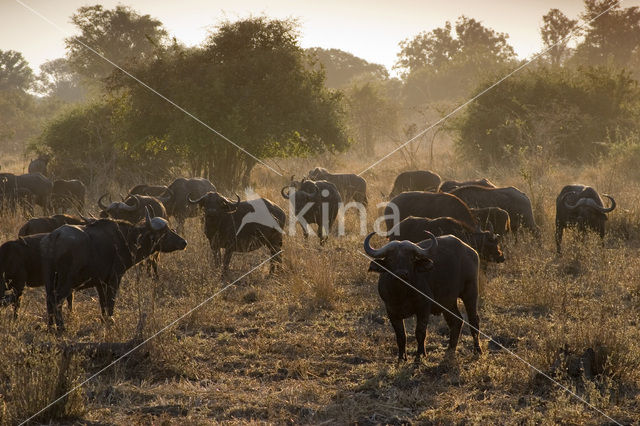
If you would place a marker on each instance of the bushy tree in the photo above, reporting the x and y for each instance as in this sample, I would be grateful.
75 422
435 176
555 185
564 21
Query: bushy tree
575 112
447 62
555 29
342 67
251 82
15 73
121 35
56 79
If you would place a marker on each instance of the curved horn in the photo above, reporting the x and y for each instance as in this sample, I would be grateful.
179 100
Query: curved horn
373 252
102 206
135 207
285 195
613 204
147 217
196 201
433 245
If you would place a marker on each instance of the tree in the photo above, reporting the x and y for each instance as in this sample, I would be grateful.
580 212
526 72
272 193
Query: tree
555 29
371 114
613 37
56 79
437 65
575 113
253 83
121 35
15 73
342 67
438 47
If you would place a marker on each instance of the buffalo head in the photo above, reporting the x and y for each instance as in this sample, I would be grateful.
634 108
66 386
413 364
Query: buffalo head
124 210
402 258
214 204
163 238
586 211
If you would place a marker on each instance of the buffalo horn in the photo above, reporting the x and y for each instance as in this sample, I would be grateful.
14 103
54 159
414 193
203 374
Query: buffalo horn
613 204
198 200
102 206
285 195
133 208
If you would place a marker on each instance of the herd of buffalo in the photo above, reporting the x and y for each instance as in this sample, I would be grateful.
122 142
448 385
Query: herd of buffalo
446 230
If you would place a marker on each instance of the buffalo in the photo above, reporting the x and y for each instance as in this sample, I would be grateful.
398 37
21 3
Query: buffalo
41 225
427 278
511 199
318 202
20 267
582 206
493 219
68 193
350 186
150 190
180 190
414 229
450 185
428 204
133 208
97 255
241 226
416 180
38 185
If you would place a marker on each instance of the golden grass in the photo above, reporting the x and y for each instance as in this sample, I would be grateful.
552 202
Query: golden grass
312 344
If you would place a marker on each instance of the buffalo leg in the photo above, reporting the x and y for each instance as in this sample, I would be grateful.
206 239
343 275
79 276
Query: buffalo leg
454 320
422 321
401 337
559 229
216 252
471 306
226 260
70 302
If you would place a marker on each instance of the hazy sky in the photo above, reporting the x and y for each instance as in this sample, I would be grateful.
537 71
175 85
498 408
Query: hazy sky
369 29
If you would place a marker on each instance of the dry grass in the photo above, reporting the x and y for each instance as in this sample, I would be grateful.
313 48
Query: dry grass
313 344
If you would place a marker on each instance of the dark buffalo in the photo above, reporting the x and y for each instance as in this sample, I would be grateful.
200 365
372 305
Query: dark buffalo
150 190
20 267
493 219
39 165
310 202
416 180
350 186
133 208
39 186
67 194
511 199
11 195
181 189
414 229
97 255
242 226
41 225
414 276
450 185
428 204
582 206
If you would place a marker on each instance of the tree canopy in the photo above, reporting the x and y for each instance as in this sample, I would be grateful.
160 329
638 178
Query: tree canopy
342 67
120 35
15 73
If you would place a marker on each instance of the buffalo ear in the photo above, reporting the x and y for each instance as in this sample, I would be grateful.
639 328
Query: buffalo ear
423 264
377 265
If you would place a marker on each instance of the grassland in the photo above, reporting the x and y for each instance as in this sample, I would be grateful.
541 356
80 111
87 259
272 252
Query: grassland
312 344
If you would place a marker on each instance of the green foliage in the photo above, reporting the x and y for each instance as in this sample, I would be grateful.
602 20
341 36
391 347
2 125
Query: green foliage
436 65
342 67
612 38
252 83
121 35
15 73
572 112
